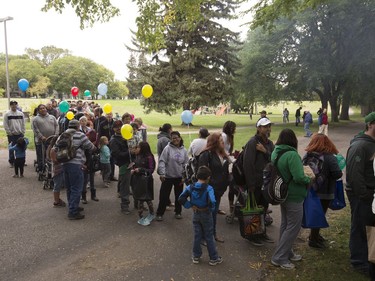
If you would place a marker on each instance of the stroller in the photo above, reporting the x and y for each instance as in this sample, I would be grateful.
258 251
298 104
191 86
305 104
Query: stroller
45 175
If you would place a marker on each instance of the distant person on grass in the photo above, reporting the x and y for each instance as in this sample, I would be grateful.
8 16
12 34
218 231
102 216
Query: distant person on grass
202 201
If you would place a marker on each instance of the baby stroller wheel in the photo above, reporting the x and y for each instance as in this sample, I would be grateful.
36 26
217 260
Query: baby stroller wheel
229 218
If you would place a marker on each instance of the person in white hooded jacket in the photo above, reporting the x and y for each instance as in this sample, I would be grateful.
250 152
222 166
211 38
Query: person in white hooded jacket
170 169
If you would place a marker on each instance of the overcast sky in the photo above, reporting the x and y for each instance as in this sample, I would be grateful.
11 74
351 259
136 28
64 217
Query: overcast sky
103 43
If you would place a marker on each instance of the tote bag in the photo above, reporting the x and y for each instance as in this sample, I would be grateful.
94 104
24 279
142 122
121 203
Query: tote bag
313 215
143 187
251 219
339 201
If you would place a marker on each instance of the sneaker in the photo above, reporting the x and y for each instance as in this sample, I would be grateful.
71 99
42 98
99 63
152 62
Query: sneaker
21 176
125 211
296 257
159 218
113 179
256 242
178 216
11 165
77 216
143 221
288 266
150 217
15 176
267 239
106 185
196 260
316 244
84 201
219 260
80 209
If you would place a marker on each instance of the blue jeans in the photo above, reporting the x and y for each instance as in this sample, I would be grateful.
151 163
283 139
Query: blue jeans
73 176
12 139
361 215
307 129
204 229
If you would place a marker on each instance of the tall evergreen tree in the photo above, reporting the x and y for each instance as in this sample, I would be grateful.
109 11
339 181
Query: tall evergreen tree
132 65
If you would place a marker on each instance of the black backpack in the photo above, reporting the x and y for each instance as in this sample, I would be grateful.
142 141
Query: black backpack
275 188
65 150
238 171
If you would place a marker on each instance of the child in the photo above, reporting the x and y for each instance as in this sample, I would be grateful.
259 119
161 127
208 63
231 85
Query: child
105 165
144 167
19 149
202 201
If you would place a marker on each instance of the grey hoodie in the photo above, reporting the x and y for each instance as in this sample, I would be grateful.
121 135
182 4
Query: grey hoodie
172 161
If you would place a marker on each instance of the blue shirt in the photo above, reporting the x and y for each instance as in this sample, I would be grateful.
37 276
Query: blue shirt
19 152
197 198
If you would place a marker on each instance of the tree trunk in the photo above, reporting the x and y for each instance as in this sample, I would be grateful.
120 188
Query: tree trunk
344 115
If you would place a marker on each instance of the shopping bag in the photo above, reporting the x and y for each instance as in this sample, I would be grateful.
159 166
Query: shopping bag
313 214
339 201
370 231
142 186
251 219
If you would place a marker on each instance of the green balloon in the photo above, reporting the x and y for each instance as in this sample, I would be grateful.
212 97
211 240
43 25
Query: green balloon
87 93
64 106
341 161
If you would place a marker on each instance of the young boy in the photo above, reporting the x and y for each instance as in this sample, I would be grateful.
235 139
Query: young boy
202 201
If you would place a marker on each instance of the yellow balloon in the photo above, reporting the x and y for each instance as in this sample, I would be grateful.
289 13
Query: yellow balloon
70 115
127 131
107 108
147 91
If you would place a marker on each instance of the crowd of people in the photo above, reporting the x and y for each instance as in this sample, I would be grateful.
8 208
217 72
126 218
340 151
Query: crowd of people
94 132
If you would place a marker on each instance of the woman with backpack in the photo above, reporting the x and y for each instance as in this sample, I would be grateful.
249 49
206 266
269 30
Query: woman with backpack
292 171
215 158
321 154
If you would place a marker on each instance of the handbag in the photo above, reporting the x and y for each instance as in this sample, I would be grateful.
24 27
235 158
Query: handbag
251 219
143 186
370 232
339 201
313 214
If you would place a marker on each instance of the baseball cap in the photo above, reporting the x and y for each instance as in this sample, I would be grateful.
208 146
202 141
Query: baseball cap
263 122
73 123
370 118
13 102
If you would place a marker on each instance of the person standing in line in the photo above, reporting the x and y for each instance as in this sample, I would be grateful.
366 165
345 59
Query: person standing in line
321 146
44 126
215 157
202 201
307 120
170 169
323 124
73 172
141 128
197 145
105 165
121 156
14 126
229 129
298 116
360 188
291 169
106 129
256 155
19 150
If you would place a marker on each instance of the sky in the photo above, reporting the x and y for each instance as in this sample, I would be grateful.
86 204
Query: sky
104 43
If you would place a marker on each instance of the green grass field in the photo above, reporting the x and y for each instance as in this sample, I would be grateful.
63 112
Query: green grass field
245 126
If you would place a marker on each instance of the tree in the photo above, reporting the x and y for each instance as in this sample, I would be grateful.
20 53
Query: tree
132 75
40 87
47 54
83 73
197 65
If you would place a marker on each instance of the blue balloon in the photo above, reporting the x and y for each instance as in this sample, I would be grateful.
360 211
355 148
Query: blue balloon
102 89
23 84
187 116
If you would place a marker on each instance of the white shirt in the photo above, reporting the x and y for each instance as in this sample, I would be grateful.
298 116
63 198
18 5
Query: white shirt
197 146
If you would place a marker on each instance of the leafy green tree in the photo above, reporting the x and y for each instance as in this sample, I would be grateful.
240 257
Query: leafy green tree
46 55
132 75
83 73
117 89
40 87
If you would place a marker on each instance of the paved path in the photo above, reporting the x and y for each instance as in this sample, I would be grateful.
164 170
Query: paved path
39 243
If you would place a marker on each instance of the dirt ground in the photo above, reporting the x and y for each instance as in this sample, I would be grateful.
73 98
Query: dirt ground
38 242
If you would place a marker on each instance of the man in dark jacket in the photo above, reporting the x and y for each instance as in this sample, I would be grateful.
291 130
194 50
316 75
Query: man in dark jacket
257 154
106 129
121 156
360 187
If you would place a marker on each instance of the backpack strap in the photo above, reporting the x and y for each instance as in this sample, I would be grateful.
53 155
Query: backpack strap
277 160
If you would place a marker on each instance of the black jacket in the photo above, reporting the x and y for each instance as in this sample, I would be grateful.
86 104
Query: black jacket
119 150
